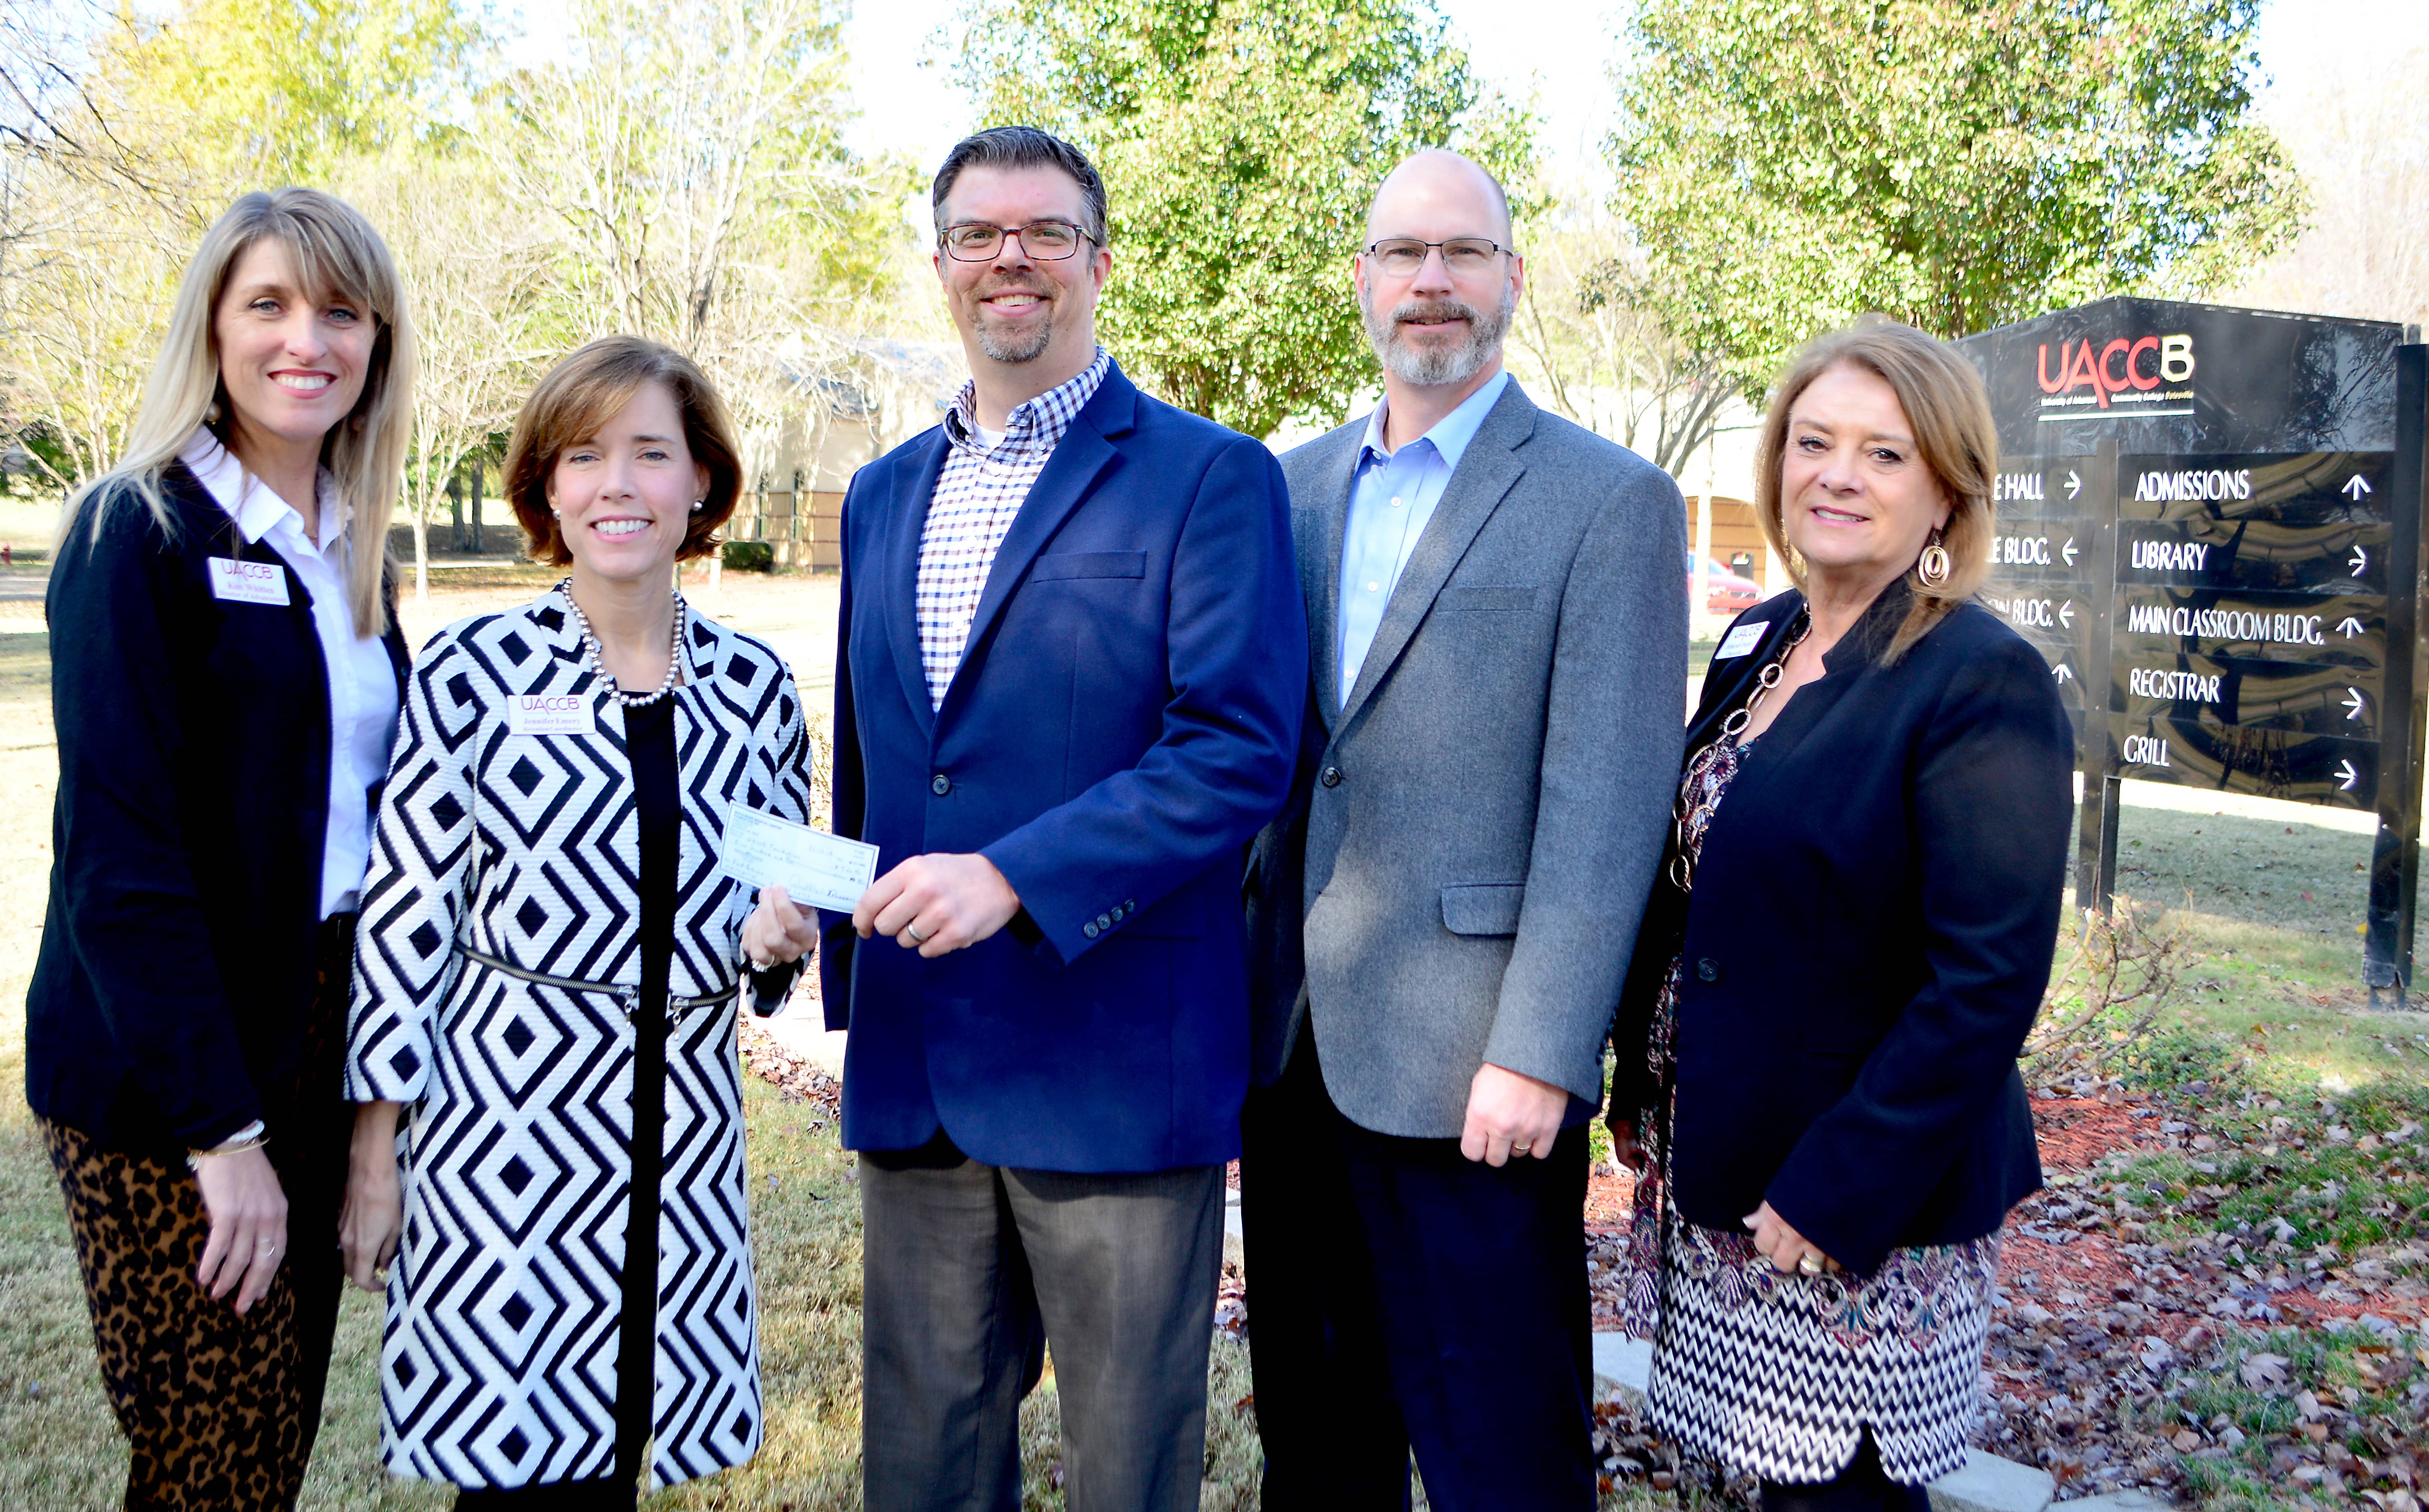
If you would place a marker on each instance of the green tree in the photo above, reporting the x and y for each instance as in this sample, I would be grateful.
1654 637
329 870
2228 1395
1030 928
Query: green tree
1958 164
1240 142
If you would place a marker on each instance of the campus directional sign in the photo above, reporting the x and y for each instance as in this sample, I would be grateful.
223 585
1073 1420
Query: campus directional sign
2210 523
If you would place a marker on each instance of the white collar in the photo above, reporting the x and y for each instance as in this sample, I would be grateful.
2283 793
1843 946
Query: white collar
252 503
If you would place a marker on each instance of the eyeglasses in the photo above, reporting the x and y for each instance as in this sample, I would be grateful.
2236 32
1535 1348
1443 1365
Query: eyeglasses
1403 255
1046 241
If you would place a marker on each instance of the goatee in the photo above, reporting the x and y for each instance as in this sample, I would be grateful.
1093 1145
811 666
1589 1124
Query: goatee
1434 363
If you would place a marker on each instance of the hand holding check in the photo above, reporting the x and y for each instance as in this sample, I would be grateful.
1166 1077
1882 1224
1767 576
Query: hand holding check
932 904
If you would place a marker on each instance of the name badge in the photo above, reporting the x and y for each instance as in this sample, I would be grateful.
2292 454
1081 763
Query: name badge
549 714
1741 641
242 581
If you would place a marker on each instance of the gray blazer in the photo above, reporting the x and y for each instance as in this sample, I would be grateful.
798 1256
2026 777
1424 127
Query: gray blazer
1470 839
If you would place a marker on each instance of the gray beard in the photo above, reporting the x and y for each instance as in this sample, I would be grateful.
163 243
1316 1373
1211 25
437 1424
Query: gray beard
1002 348
1435 366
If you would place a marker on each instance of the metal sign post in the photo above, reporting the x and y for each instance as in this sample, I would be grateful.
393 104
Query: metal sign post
2211 524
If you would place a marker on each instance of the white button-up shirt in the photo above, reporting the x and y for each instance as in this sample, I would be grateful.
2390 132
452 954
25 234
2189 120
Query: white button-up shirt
362 681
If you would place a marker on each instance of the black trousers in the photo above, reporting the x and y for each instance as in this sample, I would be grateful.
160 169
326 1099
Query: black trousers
1405 1299
1862 1487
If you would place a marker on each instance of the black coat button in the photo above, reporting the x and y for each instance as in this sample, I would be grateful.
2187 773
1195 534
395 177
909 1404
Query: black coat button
1707 970
1331 777
940 784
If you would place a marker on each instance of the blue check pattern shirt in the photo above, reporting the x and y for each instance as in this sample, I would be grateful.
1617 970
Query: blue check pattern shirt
1392 497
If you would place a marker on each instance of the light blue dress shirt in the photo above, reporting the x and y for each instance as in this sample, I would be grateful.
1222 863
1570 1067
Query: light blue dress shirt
1391 496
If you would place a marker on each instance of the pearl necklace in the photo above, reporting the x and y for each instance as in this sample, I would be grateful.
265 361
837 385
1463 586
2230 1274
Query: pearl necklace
590 651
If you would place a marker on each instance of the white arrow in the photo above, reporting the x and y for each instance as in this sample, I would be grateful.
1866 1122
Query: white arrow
2351 775
2068 551
2353 703
2360 559
2355 487
2062 673
2352 627
2066 614
2073 484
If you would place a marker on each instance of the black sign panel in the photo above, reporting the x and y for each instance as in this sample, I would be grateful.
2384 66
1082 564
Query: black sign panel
2270 762
2319 700
2346 630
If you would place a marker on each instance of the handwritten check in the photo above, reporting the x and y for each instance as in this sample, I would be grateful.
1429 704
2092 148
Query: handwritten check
815 869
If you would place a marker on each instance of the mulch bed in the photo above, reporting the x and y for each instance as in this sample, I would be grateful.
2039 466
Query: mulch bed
2094 1315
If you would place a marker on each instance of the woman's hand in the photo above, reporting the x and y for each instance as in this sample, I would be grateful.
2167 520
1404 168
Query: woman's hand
1784 1247
776 931
248 1212
373 1219
1624 1148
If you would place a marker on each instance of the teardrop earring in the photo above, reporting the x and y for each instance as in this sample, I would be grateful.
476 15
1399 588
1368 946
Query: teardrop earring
1934 568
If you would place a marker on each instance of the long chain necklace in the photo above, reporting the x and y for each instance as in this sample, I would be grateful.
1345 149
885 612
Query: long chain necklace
1682 848
591 654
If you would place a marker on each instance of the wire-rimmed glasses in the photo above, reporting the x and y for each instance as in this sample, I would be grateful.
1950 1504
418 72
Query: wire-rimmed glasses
1403 255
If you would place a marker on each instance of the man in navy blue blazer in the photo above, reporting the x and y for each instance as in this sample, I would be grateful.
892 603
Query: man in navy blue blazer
1068 694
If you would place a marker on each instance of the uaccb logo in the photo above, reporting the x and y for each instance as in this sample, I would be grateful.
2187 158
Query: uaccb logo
2117 367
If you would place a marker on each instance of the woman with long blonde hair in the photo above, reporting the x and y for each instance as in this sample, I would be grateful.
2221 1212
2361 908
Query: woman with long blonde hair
226 672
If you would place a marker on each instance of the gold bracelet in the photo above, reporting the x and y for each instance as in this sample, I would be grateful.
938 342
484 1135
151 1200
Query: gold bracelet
195 1159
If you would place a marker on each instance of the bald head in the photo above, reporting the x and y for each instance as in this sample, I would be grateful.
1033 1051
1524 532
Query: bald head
1437 195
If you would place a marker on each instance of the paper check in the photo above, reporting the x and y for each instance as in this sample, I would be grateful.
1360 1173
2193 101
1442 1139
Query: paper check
815 869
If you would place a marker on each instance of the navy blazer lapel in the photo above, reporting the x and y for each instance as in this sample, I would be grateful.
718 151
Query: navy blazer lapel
1484 477
1080 458
897 570
1326 520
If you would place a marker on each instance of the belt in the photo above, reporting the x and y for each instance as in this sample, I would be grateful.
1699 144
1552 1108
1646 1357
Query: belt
631 996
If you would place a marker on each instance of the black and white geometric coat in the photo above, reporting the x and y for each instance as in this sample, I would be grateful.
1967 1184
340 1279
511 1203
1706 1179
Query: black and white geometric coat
498 1364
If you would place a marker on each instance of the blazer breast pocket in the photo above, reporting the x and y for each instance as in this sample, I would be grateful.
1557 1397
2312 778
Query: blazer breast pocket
1063 567
1485 599
1483 908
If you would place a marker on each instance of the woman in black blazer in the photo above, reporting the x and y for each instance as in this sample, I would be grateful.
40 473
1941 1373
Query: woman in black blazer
225 677
1850 940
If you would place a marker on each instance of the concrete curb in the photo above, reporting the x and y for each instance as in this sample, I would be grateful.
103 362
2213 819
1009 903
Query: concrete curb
1987 1484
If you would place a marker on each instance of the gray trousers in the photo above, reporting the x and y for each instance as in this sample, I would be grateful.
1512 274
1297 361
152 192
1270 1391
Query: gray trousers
968 1271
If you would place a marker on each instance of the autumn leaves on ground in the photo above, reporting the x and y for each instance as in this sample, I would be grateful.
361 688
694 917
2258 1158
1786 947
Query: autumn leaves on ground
2219 1300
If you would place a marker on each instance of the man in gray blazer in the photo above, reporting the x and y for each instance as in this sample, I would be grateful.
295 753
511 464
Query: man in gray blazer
1497 618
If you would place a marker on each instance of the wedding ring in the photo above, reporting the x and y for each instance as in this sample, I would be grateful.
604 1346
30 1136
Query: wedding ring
913 931
1516 1148
1811 1264
267 1246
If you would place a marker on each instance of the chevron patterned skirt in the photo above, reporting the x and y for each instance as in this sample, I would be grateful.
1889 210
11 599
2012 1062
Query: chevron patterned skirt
1781 1374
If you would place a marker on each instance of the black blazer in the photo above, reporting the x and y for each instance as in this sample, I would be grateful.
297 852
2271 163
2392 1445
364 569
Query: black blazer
1867 940
178 952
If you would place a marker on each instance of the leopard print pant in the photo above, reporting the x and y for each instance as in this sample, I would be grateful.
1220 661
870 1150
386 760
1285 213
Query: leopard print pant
220 1411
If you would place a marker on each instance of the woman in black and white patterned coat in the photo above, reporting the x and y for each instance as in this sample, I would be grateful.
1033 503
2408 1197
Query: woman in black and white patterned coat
550 959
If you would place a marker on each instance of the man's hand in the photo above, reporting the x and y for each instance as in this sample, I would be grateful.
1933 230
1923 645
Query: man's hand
937 904
777 931
1784 1247
1509 1113
373 1219
248 1214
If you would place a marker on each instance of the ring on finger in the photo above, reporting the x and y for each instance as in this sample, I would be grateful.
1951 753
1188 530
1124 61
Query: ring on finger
1810 1263
916 938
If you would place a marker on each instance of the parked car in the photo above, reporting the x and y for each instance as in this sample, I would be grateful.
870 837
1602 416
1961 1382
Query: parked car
1726 592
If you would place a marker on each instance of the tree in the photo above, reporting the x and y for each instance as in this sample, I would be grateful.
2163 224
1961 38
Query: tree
2363 251
1955 163
471 272
133 130
692 188
1591 347
1240 142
